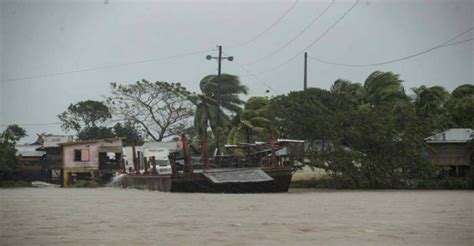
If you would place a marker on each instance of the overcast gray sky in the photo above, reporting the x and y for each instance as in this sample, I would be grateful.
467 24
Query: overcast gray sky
54 53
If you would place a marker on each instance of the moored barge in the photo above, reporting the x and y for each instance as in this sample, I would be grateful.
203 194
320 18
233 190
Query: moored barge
264 168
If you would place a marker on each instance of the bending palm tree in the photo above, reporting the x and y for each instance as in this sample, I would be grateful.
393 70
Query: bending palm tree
252 122
206 107
379 88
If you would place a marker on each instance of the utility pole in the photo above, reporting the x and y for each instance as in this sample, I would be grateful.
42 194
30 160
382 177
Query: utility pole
219 61
305 71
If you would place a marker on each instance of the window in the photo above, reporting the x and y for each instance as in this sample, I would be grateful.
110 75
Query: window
81 155
77 155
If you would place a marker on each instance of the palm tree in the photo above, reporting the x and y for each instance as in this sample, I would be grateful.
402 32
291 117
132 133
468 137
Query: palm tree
206 107
430 101
384 88
380 88
253 123
354 92
463 90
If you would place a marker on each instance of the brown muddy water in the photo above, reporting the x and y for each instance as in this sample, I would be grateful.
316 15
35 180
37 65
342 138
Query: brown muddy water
113 216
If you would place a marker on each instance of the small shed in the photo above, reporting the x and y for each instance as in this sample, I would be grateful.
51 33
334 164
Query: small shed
453 149
31 161
53 160
89 158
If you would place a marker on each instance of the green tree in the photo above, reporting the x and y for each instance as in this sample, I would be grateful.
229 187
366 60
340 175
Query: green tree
305 114
206 105
253 123
129 132
371 134
466 90
384 88
430 101
95 132
460 108
430 104
87 114
160 109
379 88
16 132
8 158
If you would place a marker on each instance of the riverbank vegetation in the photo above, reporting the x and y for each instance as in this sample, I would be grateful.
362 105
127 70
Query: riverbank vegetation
366 134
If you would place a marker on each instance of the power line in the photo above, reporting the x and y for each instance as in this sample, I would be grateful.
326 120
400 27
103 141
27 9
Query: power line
254 76
35 124
294 38
267 29
54 123
459 42
442 45
105 67
315 41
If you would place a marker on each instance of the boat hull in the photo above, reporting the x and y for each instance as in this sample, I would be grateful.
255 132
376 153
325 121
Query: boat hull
197 182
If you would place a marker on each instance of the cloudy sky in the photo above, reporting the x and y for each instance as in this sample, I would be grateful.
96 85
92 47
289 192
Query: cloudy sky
54 53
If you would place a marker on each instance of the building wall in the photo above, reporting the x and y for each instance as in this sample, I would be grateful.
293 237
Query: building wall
450 154
93 156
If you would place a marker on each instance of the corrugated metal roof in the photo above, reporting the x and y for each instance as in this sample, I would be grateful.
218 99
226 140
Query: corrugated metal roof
238 176
455 135
90 141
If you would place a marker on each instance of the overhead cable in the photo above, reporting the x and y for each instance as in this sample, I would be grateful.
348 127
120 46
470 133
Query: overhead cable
267 29
314 41
442 45
295 37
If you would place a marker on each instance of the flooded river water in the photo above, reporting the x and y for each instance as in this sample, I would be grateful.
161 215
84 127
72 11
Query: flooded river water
113 216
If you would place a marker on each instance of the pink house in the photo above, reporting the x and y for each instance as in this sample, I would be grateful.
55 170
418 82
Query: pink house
90 158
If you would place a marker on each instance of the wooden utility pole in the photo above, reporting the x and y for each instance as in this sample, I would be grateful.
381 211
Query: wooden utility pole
218 113
305 71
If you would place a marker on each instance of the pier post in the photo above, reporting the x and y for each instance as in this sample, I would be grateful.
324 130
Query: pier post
145 161
135 162
172 159
153 162
188 168
272 142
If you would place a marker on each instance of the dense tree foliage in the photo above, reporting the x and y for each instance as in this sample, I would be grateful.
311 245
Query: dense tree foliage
206 105
88 116
95 132
253 123
8 158
16 132
128 131
372 134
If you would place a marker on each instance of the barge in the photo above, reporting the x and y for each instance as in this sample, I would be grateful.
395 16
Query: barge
264 168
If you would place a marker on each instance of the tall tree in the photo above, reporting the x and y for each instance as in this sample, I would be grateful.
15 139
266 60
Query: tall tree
95 132
160 108
461 107
206 105
430 104
87 114
8 158
129 132
16 132
253 123
384 88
